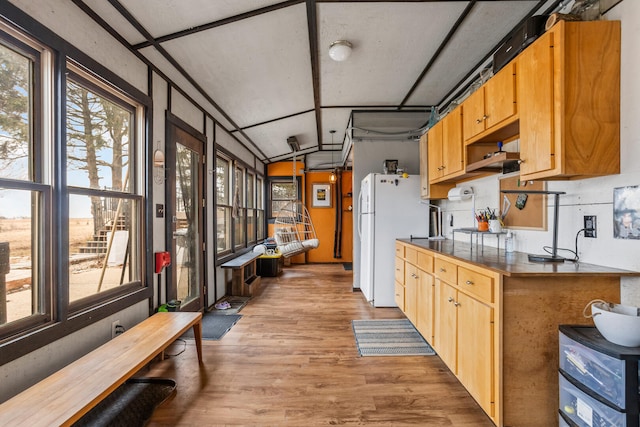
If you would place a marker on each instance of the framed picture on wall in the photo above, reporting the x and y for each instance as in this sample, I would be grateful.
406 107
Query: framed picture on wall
626 212
321 196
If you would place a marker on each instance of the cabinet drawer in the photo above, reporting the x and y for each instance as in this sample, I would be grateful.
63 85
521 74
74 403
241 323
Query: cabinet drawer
399 273
425 262
445 270
476 284
400 249
399 296
411 255
601 373
585 410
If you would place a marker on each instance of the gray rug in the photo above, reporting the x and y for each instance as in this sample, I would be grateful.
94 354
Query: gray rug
393 337
214 327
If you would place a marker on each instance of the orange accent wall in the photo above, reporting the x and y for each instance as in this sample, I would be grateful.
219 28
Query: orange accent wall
323 218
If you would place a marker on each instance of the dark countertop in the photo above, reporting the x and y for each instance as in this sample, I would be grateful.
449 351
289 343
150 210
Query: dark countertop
513 264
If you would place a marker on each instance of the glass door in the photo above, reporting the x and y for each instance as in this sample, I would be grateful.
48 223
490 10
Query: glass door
187 284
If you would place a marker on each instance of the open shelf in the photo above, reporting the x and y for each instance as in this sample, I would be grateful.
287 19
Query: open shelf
493 163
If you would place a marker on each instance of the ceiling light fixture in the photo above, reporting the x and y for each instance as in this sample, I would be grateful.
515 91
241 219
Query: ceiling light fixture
340 50
333 177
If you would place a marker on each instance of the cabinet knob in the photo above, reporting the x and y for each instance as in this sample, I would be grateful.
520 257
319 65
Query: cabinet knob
450 299
478 121
456 303
443 270
485 117
469 282
414 275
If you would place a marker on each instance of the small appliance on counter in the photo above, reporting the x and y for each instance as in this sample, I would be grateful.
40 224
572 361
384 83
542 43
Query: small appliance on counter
390 167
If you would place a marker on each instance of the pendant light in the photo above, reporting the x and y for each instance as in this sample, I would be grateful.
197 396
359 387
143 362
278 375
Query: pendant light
333 177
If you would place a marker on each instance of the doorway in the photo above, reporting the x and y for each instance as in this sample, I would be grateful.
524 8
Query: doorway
185 228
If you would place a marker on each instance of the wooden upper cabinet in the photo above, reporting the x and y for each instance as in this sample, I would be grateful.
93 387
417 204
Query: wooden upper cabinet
492 105
424 167
452 156
569 102
474 117
434 137
500 96
446 159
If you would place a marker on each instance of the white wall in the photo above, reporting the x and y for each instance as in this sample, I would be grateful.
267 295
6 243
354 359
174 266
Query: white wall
589 196
369 157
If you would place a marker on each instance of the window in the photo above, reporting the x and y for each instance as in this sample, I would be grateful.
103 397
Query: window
260 208
282 191
223 205
104 222
239 208
251 208
25 192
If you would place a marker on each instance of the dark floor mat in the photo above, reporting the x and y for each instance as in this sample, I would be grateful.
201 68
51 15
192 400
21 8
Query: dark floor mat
214 326
347 266
130 405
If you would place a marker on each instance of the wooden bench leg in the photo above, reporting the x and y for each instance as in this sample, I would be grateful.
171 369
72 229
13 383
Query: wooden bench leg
197 334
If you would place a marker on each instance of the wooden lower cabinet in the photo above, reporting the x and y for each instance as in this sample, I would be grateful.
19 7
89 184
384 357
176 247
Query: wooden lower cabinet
425 300
497 328
464 341
475 350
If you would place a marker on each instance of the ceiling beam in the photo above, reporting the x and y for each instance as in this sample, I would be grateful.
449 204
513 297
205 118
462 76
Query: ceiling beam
312 23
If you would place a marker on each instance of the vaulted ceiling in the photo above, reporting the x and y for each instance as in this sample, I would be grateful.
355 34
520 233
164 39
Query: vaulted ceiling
263 65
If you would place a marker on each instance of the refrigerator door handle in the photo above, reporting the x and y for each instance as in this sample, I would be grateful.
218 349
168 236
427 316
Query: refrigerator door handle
360 215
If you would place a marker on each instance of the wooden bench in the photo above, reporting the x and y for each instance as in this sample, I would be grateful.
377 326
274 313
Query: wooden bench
65 396
244 281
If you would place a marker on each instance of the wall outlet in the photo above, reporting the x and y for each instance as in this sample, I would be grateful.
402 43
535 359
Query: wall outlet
590 226
116 328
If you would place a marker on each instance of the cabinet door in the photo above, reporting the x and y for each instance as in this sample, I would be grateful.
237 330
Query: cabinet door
435 151
424 167
452 158
424 298
446 331
475 350
500 96
411 292
535 95
474 117
399 295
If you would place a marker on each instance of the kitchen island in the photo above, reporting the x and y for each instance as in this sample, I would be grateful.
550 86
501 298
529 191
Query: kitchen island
493 319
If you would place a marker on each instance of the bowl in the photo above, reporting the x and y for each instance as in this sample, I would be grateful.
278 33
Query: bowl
619 324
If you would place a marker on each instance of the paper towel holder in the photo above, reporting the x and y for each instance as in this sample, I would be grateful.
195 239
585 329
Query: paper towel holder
460 193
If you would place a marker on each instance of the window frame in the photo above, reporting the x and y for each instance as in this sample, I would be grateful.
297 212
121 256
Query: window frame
63 322
281 179
227 205
97 86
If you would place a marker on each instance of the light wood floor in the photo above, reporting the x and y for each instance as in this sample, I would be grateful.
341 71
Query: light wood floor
292 361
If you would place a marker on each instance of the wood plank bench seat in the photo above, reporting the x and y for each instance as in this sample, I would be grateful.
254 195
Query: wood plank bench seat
65 396
244 281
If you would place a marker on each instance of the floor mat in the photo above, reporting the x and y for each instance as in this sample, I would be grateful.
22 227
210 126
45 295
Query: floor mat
347 266
393 337
214 326
236 303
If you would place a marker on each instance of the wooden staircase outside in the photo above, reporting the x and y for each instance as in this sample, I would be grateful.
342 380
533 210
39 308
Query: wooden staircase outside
100 240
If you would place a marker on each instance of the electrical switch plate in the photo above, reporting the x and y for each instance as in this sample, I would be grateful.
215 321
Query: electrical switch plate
590 226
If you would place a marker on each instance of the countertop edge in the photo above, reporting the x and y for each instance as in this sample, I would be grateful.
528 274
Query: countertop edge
515 264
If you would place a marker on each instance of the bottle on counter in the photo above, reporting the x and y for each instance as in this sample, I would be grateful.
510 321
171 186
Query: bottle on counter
509 242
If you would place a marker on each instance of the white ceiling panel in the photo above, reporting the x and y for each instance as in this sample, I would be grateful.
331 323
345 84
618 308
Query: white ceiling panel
178 79
392 43
272 137
334 119
264 74
486 25
170 16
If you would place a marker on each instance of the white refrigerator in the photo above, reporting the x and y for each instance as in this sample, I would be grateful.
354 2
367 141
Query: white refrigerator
390 208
